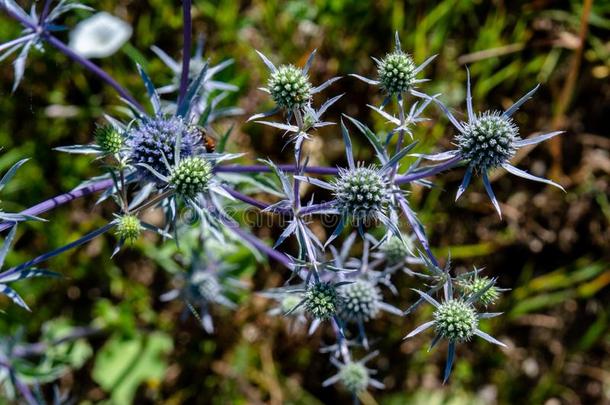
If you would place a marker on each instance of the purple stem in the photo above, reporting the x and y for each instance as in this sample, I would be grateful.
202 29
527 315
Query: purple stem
259 244
286 168
428 172
77 58
45 10
61 199
247 199
315 207
186 49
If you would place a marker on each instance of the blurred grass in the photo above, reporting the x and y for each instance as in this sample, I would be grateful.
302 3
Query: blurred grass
552 249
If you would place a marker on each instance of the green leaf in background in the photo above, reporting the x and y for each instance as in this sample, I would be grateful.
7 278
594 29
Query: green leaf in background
123 364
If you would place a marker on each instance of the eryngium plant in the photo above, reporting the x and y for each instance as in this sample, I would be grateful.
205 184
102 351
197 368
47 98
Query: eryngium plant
170 158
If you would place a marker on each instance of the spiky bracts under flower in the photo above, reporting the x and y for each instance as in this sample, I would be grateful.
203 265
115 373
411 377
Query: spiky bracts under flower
128 228
360 301
152 140
456 320
108 139
396 72
204 286
475 285
361 193
191 176
289 87
394 250
322 300
488 141
354 376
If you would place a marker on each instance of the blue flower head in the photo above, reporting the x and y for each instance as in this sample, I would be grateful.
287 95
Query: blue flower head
153 143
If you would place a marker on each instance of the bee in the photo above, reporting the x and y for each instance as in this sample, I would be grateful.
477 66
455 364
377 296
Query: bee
208 142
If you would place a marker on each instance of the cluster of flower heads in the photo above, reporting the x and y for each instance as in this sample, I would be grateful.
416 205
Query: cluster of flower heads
164 159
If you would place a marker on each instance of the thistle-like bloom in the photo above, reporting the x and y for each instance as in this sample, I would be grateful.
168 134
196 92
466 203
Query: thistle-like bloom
456 320
484 287
489 140
361 193
396 250
191 176
361 301
321 300
289 86
396 72
354 375
128 228
108 139
153 143
205 283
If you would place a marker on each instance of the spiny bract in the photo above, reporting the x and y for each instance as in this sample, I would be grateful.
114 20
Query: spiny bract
108 139
361 192
152 139
128 228
289 87
395 250
360 301
478 284
396 72
205 286
321 300
455 320
191 176
488 141
354 376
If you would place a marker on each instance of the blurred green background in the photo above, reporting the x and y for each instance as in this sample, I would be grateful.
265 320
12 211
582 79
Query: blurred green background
552 249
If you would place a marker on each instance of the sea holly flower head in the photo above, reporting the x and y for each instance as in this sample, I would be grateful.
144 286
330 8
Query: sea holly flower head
191 176
322 300
354 375
396 72
361 192
455 320
128 228
152 142
473 284
486 141
205 286
108 139
361 301
289 87
395 250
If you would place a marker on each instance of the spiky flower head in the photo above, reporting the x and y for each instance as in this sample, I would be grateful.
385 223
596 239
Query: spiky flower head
354 376
108 139
456 320
191 176
477 284
322 300
155 138
360 301
488 140
396 72
395 250
204 286
361 192
128 228
289 87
